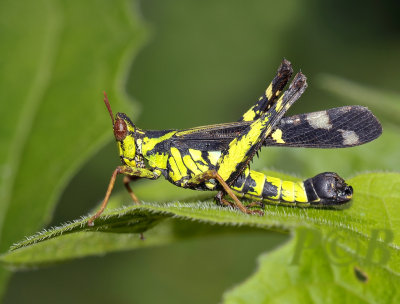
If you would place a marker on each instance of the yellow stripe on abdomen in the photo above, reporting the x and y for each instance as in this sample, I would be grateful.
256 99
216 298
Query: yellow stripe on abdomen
259 187
300 194
287 194
259 179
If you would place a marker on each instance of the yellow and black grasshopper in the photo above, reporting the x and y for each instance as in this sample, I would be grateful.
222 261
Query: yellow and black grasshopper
216 157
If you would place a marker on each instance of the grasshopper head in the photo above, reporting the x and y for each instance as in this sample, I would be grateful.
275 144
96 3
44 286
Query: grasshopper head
124 132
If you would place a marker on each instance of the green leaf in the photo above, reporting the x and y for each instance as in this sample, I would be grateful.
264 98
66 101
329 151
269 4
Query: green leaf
57 59
326 273
53 81
374 206
358 261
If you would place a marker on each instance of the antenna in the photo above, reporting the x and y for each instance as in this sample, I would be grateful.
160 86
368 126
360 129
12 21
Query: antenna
108 107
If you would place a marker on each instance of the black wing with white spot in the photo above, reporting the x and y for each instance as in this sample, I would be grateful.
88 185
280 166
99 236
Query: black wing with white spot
334 128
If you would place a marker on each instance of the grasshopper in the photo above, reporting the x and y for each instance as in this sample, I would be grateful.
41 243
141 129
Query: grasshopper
216 157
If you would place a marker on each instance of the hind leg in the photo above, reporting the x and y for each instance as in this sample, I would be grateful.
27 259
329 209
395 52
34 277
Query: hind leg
271 94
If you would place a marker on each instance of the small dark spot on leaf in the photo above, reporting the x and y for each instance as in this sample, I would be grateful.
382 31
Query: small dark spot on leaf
360 275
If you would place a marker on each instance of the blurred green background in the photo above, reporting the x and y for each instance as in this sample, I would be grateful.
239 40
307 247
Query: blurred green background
207 62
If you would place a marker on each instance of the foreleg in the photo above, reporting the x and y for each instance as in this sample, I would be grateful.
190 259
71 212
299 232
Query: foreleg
131 173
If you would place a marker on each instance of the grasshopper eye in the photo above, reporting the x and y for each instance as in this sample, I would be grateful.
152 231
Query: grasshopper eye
120 129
